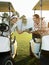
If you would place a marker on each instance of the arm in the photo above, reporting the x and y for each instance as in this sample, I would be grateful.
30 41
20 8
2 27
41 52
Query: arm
13 27
20 32
43 29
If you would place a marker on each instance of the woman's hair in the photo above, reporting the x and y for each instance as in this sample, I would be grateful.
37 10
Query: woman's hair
36 15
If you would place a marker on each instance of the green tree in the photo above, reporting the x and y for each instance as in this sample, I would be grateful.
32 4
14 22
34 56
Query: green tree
24 19
16 13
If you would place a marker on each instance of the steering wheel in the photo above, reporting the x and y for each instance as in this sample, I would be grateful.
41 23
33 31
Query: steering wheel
4 27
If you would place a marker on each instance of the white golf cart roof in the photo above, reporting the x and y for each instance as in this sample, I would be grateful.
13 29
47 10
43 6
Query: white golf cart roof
4 7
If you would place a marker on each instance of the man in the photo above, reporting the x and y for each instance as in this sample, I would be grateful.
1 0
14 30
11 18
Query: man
14 20
19 25
37 30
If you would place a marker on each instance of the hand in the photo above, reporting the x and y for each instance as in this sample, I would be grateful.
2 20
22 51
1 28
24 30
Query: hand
11 33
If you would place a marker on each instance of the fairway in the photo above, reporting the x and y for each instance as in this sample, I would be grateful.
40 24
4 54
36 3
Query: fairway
23 57
23 45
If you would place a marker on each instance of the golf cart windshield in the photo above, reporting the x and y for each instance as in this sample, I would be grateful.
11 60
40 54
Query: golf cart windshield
4 27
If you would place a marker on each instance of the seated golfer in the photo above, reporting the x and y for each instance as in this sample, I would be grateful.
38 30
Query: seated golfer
37 30
19 25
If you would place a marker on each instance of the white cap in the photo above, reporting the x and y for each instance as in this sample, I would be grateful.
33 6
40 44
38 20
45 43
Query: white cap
14 16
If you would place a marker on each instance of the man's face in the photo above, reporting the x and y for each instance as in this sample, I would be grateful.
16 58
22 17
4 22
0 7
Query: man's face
14 20
35 19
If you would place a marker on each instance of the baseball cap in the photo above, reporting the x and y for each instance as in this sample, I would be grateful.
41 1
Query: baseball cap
14 16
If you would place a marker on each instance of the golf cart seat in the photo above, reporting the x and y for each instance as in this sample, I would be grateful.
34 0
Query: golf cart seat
45 43
34 49
4 44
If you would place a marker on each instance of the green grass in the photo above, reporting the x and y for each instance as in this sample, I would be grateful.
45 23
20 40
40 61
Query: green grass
23 57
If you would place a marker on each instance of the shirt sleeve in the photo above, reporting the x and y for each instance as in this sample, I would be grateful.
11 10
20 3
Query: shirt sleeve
30 25
19 25
44 25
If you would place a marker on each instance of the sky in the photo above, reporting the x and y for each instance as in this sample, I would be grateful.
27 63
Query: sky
24 7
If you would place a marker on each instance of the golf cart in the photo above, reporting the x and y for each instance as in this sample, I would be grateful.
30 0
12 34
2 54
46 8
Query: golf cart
36 47
6 57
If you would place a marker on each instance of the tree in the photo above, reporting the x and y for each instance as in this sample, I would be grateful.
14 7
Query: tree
24 19
16 13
